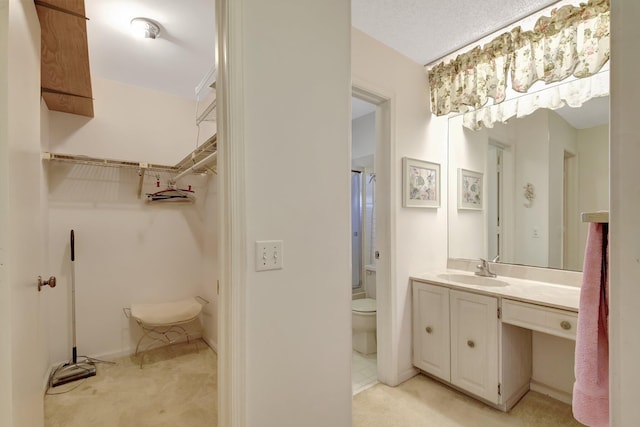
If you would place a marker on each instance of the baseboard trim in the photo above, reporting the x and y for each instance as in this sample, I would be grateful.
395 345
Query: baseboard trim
407 375
552 392
211 344
128 352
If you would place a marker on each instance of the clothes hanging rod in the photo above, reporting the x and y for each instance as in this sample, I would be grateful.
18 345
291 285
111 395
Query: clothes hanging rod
601 217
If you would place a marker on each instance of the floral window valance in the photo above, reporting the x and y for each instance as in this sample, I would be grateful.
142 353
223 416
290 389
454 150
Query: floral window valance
573 41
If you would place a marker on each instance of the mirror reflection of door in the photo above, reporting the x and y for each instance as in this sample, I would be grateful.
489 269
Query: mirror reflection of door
356 228
570 231
495 199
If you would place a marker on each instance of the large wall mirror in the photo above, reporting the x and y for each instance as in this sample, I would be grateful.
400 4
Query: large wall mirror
516 190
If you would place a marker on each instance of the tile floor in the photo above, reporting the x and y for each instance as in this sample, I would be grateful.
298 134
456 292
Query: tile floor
364 371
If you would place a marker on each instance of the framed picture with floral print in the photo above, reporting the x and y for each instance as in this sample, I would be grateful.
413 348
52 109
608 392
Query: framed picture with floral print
470 190
420 184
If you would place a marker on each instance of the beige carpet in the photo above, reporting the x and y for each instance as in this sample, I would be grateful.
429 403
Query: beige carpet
423 402
176 387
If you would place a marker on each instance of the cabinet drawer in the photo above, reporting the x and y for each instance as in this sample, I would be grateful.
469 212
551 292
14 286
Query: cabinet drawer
561 323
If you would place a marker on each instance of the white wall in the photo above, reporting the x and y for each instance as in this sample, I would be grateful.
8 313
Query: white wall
363 140
6 408
126 251
24 355
468 151
624 252
210 267
296 138
553 366
593 172
130 123
562 137
418 236
532 165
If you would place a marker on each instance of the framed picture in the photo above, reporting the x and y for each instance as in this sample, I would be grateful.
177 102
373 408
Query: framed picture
420 184
470 193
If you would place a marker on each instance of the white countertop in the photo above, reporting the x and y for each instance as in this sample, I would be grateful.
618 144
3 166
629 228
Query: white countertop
547 294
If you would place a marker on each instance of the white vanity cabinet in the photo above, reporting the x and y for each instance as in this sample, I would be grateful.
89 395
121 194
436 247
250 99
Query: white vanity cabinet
474 344
459 338
431 342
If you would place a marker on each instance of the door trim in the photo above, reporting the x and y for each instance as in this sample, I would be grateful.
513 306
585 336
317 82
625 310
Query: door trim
385 168
232 328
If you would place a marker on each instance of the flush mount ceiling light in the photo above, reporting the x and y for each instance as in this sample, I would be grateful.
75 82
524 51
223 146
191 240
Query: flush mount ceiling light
145 28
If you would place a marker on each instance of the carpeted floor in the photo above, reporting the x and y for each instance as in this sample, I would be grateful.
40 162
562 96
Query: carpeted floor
176 387
423 402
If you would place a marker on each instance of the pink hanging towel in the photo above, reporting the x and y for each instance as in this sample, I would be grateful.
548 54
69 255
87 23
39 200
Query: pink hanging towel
591 389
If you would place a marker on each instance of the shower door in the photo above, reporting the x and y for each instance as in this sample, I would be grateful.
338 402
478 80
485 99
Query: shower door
356 228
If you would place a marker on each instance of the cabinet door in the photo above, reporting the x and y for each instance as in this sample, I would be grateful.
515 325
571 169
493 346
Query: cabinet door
474 344
431 344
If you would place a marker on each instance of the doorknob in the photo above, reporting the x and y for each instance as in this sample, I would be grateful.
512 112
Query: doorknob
51 282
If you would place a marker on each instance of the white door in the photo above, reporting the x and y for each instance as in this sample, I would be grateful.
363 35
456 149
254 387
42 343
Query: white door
474 344
431 329
23 355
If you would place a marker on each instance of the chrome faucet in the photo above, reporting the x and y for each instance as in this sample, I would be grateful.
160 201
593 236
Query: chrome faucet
483 269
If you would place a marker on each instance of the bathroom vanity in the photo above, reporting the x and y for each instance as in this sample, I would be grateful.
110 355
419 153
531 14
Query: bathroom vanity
474 333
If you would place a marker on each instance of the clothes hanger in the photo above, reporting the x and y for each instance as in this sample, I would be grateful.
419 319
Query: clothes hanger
172 194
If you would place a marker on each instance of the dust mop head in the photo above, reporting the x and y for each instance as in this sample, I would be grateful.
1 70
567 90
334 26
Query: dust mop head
72 372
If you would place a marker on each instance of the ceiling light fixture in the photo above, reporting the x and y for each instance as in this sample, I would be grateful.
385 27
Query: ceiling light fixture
145 28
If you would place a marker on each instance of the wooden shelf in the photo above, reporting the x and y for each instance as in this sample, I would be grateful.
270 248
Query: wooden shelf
65 72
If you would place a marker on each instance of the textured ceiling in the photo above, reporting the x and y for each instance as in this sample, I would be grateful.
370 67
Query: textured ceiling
173 63
423 30
426 30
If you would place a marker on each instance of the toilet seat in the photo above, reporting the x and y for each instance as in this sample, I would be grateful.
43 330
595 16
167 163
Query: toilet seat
364 305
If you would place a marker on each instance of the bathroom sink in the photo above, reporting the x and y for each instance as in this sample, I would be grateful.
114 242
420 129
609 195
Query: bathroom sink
470 279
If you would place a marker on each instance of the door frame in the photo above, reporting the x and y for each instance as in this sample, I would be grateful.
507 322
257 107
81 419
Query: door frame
385 195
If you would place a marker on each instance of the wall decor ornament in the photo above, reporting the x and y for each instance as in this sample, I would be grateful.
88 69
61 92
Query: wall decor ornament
470 189
420 183
529 194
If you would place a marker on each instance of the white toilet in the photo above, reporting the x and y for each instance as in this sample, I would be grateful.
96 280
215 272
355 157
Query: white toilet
363 315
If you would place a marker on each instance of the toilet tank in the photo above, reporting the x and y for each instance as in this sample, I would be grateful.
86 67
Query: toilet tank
370 281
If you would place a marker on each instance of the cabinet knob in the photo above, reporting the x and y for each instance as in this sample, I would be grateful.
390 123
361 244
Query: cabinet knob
429 329
565 325
471 344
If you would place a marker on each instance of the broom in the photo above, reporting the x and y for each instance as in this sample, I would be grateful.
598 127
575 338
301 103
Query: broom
74 370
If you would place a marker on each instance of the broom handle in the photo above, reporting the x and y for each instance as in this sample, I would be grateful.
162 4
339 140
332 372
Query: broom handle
73 299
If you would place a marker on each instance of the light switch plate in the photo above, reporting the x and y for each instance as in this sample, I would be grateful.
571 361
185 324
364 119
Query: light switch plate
268 255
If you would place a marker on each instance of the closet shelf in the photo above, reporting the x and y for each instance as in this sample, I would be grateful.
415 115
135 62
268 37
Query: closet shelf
96 161
208 114
198 162
206 149
206 98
